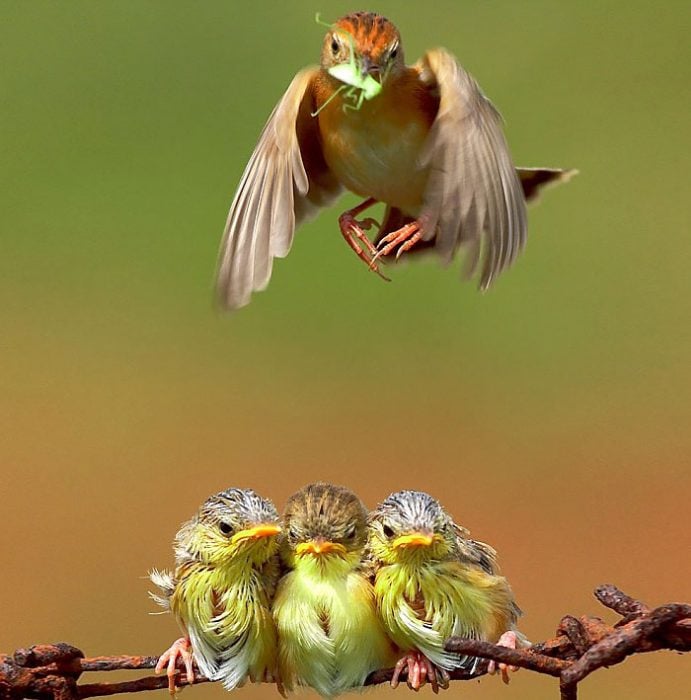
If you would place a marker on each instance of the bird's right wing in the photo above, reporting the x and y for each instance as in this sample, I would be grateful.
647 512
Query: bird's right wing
476 553
285 181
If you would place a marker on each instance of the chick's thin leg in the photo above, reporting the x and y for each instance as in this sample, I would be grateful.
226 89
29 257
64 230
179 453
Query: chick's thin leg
418 670
407 662
353 230
508 639
179 649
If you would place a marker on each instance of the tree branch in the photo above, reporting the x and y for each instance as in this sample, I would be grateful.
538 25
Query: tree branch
581 645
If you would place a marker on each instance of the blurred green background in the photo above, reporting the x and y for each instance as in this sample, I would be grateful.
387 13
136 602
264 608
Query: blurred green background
551 415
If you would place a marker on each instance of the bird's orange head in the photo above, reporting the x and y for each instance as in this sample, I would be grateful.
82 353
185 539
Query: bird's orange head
372 40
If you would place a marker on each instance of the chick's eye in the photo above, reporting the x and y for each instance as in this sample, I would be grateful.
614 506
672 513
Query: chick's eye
335 46
225 528
350 532
394 53
388 531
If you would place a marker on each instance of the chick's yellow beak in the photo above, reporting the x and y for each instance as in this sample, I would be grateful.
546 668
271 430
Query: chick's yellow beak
319 546
414 539
256 532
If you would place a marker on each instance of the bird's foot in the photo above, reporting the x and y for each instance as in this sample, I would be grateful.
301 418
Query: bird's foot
419 669
404 238
509 640
353 230
179 649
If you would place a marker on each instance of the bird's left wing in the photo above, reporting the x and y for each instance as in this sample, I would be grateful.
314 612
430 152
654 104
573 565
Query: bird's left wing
285 181
474 196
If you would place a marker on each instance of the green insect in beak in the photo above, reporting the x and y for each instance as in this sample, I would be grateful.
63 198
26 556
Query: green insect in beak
358 84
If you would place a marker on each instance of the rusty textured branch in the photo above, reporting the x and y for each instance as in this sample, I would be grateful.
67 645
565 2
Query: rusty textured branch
580 646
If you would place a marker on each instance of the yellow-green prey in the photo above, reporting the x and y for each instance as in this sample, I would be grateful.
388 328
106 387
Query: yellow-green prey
226 569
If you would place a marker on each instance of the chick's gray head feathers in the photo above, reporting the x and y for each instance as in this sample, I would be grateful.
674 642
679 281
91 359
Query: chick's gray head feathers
222 525
412 511
411 525
239 508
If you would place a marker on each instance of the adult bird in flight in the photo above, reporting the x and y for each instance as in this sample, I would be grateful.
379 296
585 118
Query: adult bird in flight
422 139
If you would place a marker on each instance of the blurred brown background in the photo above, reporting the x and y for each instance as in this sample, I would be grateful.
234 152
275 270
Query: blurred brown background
550 415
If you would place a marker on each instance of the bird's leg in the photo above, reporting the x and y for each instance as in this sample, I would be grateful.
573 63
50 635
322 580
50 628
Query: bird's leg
510 640
418 670
405 238
408 662
438 677
353 230
179 649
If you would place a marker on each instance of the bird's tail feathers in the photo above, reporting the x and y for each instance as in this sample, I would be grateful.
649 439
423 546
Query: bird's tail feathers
534 180
166 584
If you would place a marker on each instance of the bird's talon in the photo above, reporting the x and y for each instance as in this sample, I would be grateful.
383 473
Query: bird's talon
443 679
281 688
405 238
510 641
353 230
179 650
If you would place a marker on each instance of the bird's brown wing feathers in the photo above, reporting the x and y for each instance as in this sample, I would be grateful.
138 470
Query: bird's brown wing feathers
474 196
284 182
476 553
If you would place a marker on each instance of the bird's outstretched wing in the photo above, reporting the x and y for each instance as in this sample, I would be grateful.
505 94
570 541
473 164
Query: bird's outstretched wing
285 181
474 196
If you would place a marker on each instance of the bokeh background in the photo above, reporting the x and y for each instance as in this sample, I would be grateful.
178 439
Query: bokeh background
551 415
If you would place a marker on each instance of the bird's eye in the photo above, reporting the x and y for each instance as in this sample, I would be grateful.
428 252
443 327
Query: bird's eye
225 528
335 46
394 52
350 532
388 531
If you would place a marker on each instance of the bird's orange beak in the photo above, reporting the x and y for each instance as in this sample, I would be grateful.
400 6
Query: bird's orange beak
319 546
414 539
256 532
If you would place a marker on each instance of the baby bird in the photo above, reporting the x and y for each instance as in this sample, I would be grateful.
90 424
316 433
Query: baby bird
226 569
433 582
329 635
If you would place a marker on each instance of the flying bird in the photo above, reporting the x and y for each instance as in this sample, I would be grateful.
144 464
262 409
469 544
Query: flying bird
431 582
330 637
226 569
422 139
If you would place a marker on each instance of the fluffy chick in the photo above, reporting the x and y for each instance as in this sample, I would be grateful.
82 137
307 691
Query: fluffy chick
433 582
330 637
226 569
